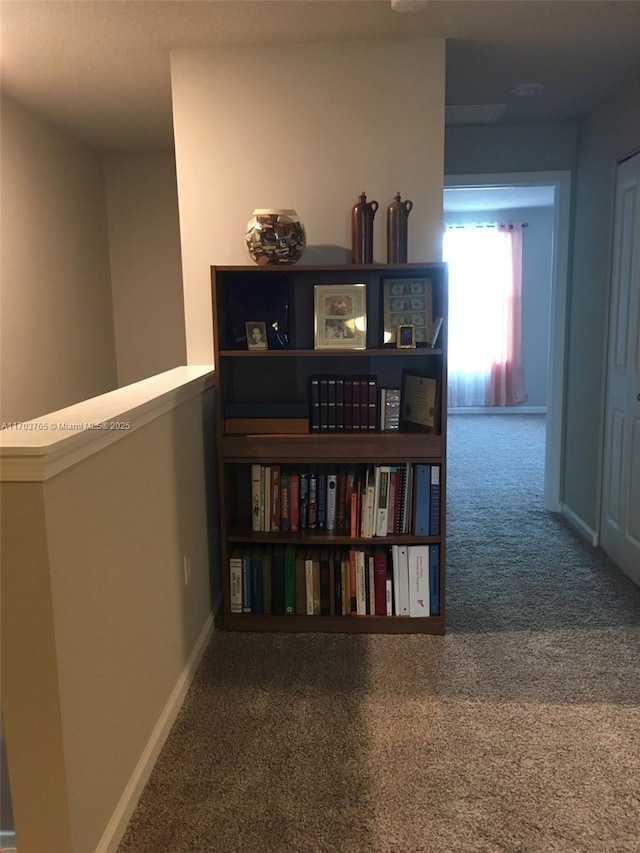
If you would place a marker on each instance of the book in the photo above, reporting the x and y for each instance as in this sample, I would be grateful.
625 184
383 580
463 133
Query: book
325 583
380 581
284 500
418 563
383 473
332 501
266 579
312 520
361 586
308 574
435 331
289 580
321 486
275 499
277 581
314 405
255 563
317 607
434 516
246 580
434 580
256 471
294 501
422 499
235 580
304 500
400 579
300 582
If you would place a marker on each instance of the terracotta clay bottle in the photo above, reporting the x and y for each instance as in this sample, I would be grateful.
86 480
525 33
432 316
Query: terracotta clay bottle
362 216
397 230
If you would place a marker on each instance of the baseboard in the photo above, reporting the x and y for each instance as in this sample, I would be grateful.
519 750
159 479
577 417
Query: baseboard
497 410
116 827
578 524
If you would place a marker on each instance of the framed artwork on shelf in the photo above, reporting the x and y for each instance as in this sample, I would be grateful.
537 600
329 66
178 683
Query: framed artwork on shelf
256 334
419 402
406 336
340 316
407 302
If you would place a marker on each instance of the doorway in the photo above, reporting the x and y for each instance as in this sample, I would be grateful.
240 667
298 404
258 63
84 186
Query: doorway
558 185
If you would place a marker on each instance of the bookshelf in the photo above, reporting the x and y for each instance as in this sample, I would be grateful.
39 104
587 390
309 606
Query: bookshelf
271 424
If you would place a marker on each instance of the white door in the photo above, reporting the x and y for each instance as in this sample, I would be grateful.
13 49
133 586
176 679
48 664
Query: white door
620 519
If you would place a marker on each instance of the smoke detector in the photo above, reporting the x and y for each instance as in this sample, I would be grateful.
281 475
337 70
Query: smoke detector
409 5
527 90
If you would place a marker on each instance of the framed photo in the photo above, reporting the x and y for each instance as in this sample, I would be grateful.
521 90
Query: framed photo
340 316
256 334
406 336
407 302
419 402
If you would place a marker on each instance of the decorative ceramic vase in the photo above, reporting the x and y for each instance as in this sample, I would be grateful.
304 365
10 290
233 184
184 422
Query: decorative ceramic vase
362 215
397 230
275 236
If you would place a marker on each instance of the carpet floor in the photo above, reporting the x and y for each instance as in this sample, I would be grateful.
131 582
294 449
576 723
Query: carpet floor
517 732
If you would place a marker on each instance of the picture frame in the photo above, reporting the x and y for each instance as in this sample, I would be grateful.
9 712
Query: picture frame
407 301
419 395
256 334
406 336
340 316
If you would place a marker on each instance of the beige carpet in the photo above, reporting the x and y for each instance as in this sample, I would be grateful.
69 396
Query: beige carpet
518 731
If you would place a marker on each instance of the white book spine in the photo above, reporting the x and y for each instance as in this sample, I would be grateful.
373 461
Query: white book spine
235 577
332 495
403 579
361 589
418 580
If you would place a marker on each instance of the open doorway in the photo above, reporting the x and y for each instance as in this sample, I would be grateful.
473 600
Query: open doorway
490 194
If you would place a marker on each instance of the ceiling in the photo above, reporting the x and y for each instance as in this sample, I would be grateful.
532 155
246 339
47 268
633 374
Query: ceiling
475 199
101 69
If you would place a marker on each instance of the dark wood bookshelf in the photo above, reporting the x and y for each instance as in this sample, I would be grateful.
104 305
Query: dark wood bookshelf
281 376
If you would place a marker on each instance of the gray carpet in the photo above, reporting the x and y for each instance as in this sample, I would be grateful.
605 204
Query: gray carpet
518 731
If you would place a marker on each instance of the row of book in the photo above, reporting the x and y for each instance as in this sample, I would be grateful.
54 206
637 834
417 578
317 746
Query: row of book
400 580
360 501
352 404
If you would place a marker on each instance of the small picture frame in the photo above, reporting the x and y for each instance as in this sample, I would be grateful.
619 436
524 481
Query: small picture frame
256 334
406 336
407 301
419 402
340 316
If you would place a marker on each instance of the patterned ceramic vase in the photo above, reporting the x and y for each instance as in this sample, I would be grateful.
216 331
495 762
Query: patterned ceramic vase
275 236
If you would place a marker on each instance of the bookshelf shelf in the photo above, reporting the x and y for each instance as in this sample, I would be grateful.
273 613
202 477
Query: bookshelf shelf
281 453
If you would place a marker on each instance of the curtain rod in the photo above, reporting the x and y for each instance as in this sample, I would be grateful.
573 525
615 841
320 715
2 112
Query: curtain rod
483 224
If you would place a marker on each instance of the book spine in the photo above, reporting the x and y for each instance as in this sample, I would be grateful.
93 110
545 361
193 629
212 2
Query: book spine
255 496
312 521
275 499
380 582
331 403
434 580
382 507
289 581
314 405
246 581
284 500
353 581
361 589
418 560
235 581
332 501
304 500
372 403
434 518
300 583
325 585
294 502
322 500
308 572
324 404
422 499
255 563
339 404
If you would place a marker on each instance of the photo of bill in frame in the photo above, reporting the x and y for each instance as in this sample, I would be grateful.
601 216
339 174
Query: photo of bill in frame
256 335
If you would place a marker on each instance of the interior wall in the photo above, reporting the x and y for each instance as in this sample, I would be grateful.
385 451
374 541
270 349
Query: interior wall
304 126
57 343
146 266
610 133
98 632
537 251
494 149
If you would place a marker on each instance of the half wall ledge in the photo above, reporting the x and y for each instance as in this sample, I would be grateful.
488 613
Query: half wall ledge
37 450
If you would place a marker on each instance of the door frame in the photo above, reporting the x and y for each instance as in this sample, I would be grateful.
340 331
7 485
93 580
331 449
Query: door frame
561 182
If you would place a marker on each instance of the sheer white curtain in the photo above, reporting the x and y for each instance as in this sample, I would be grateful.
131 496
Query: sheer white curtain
485 307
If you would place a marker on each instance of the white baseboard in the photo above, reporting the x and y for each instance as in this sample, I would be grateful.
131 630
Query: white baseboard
116 827
497 410
578 524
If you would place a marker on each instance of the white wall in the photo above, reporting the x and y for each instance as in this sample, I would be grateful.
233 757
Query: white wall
146 267
98 627
536 290
611 132
57 336
304 126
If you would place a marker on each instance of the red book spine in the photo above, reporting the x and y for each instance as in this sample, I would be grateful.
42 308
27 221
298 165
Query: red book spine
380 582
294 502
